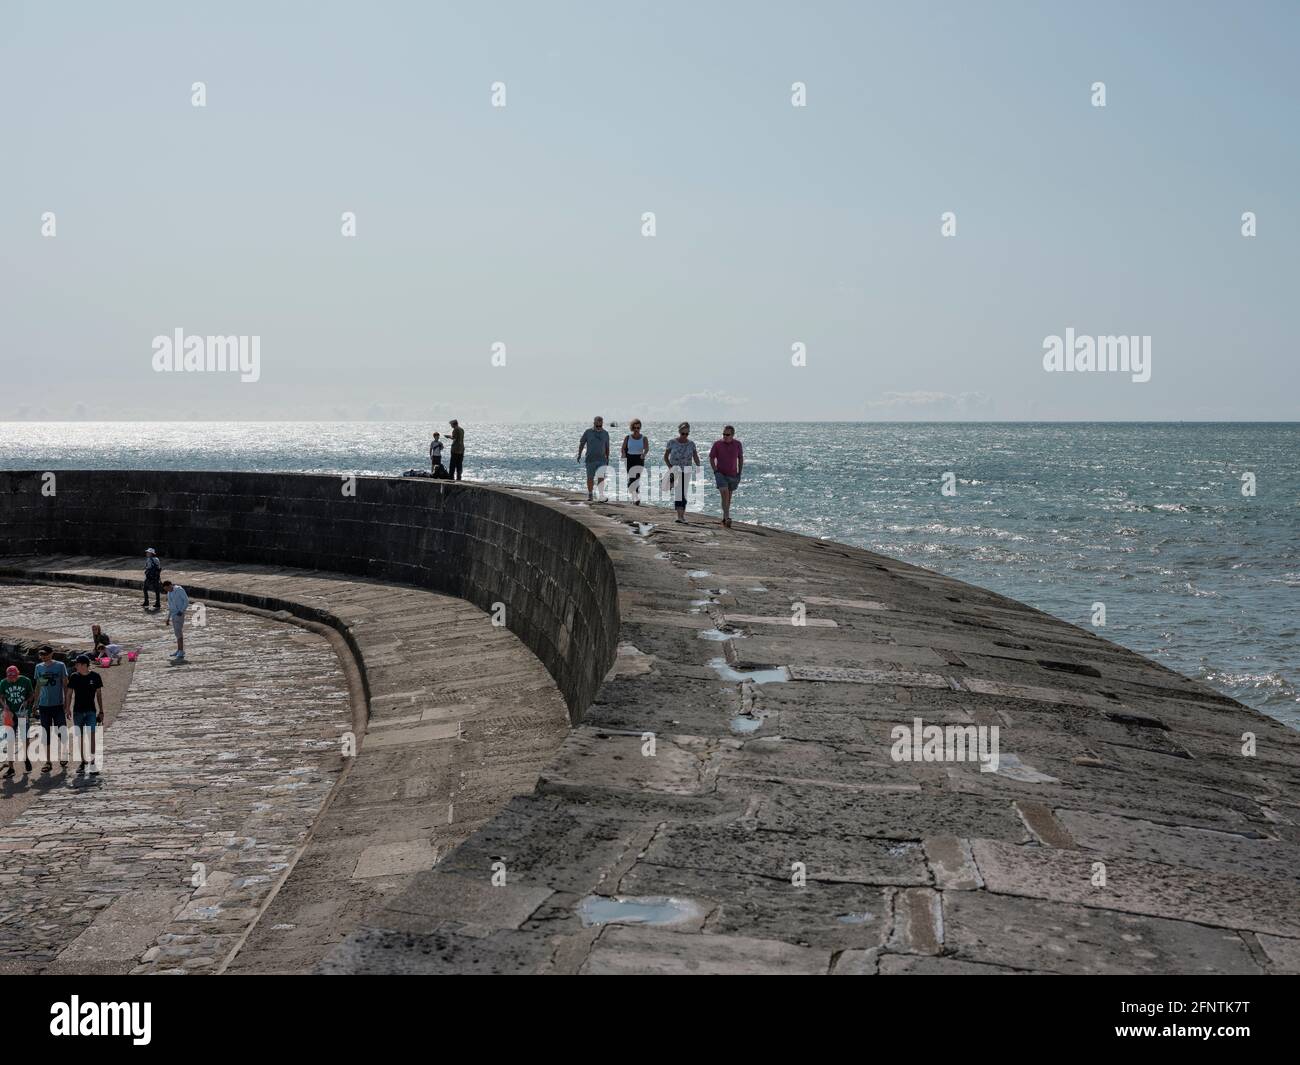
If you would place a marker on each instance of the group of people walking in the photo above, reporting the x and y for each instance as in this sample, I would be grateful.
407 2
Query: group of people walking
726 459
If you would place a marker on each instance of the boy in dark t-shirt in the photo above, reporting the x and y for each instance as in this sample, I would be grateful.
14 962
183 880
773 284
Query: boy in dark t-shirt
86 699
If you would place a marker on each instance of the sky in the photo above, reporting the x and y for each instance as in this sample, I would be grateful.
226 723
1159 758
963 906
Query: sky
127 212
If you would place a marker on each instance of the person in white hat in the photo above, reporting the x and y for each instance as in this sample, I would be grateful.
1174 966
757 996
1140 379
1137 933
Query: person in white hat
152 579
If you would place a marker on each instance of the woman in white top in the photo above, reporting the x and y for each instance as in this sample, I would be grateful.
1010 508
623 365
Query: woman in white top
635 448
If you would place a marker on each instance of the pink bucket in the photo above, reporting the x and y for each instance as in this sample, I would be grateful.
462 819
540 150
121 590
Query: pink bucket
106 661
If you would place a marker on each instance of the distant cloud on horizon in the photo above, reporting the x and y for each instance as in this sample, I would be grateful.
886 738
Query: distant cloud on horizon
926 404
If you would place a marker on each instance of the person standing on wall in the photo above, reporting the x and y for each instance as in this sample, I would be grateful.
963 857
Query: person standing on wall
635 448
435 454
177 603
596 443
457 450
727 457
152 579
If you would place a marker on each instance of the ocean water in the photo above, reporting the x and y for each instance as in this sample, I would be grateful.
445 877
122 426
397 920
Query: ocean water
1148 519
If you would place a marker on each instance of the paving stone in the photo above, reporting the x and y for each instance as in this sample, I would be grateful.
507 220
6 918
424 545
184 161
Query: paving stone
952 864
1042 935
435 897
126 929
634 951
833 915
731 849
1283 954
387 859
1209 898
1199 848
921 965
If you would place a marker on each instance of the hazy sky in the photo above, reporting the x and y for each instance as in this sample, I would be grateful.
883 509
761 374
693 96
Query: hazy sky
775 224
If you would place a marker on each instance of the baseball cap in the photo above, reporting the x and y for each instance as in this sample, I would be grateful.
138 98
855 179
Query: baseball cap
150 551
11 672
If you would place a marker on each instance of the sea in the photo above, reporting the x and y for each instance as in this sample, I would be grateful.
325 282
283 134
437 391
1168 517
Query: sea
1186 534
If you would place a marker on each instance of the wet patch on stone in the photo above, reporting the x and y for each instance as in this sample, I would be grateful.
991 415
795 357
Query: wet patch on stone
721 635
659 911
774 675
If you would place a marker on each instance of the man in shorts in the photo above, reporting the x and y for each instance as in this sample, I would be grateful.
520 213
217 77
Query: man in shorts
17 697
177 603
85 699
595 441
727 457
51 683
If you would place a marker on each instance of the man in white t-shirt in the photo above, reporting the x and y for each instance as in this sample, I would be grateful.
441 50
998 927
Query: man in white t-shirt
177 603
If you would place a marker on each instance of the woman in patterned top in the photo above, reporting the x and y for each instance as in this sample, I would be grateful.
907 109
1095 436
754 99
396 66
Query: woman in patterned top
679 453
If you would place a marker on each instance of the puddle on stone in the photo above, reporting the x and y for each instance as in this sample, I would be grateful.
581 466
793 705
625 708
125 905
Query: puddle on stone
642 528
698 573
756 588
1010 766
719 635
856 918
660 910
743 724
758 676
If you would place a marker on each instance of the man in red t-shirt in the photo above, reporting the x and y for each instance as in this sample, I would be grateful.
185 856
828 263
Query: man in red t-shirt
727 457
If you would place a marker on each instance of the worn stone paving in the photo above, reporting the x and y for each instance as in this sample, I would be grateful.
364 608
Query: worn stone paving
1124 832
461 718
213 774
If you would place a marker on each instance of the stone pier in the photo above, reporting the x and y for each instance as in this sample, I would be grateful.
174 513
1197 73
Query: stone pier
729 796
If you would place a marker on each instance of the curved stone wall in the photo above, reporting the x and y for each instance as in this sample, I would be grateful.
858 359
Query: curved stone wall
555 579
